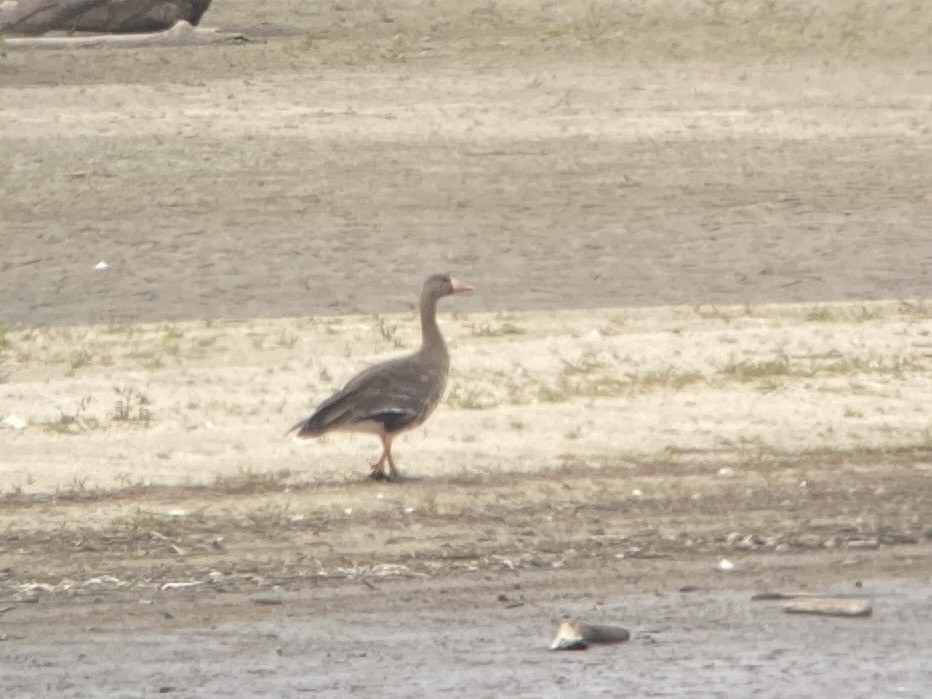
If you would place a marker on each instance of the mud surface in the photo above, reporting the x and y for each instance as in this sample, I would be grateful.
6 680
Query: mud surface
458 638
159 537
308 176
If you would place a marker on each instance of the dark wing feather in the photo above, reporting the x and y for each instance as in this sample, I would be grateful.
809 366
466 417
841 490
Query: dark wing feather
397 393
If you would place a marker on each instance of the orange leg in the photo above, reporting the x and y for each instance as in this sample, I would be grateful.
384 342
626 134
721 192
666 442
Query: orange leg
378 469
387 444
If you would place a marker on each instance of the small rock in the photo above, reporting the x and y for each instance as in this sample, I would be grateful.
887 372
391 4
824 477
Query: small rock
725 565
809 541
690 588
726 472
863 544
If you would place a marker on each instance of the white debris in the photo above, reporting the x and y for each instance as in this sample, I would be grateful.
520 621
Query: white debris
182 585
726 472
725 565
348 511
105 581
296 518
409 510
14 422
637 492
176 513
380 496
101 266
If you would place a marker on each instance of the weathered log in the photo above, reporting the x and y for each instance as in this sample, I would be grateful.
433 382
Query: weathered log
182 34
830 606
36 17
573 634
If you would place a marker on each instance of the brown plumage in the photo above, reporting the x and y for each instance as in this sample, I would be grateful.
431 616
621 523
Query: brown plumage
397 395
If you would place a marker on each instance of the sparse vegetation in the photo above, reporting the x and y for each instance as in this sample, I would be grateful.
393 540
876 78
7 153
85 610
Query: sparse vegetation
77 360
486 329
132 407
388 331
469 397
73 423
820 314
750 369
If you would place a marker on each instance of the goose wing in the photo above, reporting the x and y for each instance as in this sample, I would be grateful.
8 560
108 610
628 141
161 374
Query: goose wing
390 396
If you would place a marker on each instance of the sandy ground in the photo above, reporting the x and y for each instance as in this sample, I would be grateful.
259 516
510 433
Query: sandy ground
583 462
700 236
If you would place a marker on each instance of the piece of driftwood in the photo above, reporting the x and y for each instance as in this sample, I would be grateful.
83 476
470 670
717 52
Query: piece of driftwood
36 17
830 606
573 634
182 34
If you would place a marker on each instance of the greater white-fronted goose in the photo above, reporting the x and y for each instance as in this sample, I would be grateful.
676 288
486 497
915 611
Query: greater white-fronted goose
397 395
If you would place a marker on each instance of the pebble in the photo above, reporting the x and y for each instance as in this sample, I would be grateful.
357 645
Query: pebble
863 544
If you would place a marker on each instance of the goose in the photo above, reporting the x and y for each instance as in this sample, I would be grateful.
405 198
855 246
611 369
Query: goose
396 395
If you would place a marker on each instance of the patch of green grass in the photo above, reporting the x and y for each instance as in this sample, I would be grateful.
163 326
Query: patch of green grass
749 370
73 423
5 341
574 433
711 313
820 314
469 398
144 520
171 333
896 364
499 330
668 377
149 359
863 314
77 360
246 480
587 363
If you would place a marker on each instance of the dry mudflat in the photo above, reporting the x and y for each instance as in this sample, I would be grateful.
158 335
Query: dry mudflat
700 237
